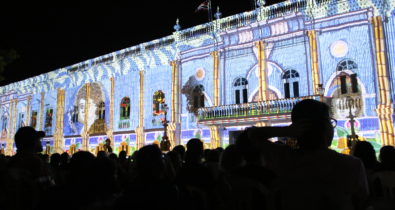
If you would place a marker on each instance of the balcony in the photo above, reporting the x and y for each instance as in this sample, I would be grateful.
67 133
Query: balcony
250 113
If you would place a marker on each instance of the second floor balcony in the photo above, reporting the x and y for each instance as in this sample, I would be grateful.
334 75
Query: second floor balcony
250 113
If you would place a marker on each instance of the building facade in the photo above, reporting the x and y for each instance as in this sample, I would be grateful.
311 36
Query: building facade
219 77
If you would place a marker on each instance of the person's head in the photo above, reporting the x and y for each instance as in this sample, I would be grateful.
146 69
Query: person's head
365 151
149 161
317 115
27 139
122 155
231 158
55 159
113 156
64 158
108 142
387 154
101 154
249 152
180 150
213 156
194 151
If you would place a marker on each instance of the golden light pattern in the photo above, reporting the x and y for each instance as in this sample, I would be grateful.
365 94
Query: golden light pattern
216 78
262 70
384 109
215 139
110 128
58 137
314 60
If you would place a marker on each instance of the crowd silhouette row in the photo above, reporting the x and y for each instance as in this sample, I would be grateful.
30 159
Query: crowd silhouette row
253 173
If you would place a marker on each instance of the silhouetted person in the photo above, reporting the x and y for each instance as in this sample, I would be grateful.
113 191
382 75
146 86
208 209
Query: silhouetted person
181 150
387 158
195 180
384 180
107 146
365 151
149 187
312 176
28 174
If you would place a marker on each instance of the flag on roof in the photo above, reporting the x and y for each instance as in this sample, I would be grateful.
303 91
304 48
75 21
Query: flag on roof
202 6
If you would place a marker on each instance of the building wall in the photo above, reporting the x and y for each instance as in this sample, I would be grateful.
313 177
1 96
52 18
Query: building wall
287 47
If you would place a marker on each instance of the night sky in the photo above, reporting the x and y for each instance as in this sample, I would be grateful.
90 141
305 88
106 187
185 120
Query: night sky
49 38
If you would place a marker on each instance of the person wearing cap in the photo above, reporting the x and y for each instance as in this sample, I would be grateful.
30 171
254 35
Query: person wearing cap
28 168
311 176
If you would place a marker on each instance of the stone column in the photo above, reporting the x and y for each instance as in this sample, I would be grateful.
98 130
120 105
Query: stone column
29 99
42 111
110 128
85 134
384 108
314 61
214 130
140 129
58 137
174 127
11 127
263 93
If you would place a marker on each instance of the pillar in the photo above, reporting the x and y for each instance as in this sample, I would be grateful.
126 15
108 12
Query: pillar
58 137
314 61
263 93
140 129
174 128
384 108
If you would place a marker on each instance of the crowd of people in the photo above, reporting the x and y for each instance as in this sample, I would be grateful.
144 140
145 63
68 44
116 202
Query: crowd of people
254 173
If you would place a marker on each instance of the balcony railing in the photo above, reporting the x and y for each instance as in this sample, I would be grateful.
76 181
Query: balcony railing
253 109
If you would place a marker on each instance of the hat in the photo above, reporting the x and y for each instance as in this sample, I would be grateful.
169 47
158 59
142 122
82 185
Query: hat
26 136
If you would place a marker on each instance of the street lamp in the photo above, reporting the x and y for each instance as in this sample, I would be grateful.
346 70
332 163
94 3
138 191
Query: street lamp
353 138
165 143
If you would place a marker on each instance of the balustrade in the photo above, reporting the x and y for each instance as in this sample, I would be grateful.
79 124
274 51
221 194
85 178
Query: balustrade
261 108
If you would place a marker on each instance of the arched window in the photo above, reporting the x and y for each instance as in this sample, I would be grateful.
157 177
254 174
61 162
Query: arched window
125 108
157 101
102 110
291 81
198 96
240 87
347 80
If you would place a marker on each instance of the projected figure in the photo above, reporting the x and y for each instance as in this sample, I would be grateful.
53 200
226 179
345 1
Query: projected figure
95 117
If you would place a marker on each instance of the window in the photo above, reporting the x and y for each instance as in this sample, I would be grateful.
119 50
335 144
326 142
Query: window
125 108
33 120
102 110
157 102
48 121
241 93
347 80
291 78
198 96
124 113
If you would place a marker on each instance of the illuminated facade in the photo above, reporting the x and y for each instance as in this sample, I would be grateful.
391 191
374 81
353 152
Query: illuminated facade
246 69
